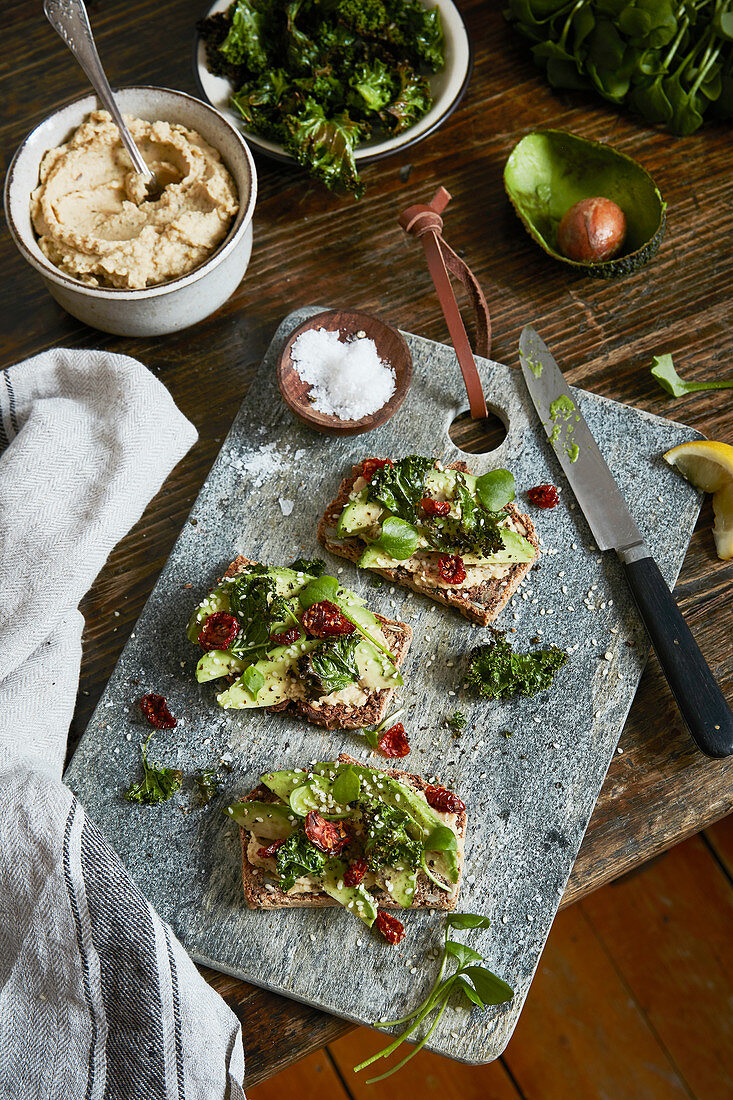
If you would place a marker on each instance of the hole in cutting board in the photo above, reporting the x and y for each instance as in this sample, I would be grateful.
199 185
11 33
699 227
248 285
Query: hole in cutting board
477 437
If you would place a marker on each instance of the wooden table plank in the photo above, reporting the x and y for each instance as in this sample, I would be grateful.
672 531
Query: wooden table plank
311 246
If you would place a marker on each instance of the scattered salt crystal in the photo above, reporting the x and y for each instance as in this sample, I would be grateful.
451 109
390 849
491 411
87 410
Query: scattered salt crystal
286 506
348 380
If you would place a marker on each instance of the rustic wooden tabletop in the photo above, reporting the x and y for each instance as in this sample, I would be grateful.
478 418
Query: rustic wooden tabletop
312 247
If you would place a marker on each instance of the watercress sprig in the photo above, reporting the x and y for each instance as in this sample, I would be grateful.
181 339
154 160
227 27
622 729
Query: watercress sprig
471 979
372 735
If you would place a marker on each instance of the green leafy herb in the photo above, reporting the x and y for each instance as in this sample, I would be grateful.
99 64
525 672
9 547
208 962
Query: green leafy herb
669 60
315 567
346 787
296 857
499 673
471 980
663 370
208 784
332 666
495 489
323 76
372 735
456 721
158 783
253 680
399 539
322 588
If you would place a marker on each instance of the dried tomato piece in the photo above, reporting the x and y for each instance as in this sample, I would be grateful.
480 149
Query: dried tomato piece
443 800
155 709
435 507
451 569
287 637
544 496
219 631
393 742
325 620
370 466
355 872
330 836
270 850
392 929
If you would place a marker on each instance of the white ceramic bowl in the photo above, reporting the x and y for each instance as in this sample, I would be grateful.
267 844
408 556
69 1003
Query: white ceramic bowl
158 309
448 88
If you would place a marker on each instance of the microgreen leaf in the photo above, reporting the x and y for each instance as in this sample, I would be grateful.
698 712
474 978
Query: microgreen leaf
441 839
466 920
461 984
346 786
491 990
464 954
322 588
495 489
399 539
253 680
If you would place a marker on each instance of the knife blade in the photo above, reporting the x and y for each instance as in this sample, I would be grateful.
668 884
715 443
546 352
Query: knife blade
700 700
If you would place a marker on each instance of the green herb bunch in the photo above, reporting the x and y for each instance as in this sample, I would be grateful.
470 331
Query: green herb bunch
670 61
471 980
321 76
158 783
496 672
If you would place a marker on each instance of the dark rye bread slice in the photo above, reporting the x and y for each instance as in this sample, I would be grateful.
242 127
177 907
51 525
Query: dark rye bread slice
343 716
259 893
481 603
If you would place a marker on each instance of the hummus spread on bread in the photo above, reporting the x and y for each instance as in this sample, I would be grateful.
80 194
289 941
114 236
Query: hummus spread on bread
94 222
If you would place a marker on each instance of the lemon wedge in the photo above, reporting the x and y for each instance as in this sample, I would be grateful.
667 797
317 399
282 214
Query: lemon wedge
709 466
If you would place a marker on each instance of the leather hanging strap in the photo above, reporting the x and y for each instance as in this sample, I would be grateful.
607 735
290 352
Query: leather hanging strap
426 223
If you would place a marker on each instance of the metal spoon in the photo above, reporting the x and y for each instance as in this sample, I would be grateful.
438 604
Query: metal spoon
70 20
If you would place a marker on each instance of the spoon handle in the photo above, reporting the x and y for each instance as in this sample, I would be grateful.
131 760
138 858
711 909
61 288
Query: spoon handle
70 20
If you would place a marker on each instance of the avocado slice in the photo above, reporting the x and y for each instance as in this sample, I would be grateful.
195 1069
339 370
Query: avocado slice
516 549
216 663
274 669
266 819
358 516
548 171
354 898
403 881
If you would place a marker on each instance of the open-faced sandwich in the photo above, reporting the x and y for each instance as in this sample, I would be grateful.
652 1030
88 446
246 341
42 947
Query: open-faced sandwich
439 530
291 638
343 833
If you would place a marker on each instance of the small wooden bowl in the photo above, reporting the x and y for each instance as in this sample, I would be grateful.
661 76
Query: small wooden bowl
391 347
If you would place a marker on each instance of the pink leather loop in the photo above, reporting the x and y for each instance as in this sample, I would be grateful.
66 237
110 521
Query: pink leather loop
426 223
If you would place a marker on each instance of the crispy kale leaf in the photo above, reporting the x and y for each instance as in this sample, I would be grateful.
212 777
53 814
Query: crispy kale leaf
244 44
319 76
388 841
399 488
330 667
208 784
157 784
254 600
499 673
325 146
315 567
296 857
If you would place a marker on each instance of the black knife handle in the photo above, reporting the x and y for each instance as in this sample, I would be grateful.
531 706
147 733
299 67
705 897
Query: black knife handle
700 700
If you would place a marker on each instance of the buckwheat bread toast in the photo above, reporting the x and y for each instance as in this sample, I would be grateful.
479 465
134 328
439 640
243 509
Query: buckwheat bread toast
342 716
261 894
481 604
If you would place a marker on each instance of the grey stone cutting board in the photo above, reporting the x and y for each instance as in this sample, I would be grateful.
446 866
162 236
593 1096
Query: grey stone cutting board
529 796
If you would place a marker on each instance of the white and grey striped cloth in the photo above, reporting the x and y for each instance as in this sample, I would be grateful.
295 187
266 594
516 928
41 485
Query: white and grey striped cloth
98 1000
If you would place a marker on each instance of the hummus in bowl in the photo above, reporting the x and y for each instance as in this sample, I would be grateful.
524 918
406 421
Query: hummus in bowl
92 217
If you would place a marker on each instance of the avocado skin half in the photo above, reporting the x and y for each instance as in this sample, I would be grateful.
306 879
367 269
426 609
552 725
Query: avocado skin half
548 171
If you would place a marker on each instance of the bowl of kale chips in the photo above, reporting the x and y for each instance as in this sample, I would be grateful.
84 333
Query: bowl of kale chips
333 84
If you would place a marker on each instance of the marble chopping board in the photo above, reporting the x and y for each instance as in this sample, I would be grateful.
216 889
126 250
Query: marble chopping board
529 796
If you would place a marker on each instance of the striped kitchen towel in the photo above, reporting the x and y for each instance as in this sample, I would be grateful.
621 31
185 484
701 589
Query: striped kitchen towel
98 999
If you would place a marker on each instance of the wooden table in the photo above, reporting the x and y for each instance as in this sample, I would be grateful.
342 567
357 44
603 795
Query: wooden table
311 247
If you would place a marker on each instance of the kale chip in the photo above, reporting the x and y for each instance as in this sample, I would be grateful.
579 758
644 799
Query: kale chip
498 673
296 857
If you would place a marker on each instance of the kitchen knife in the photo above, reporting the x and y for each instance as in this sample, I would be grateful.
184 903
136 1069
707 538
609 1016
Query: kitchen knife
700 700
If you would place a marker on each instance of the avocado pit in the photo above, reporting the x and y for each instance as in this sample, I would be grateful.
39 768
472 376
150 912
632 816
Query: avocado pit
592 230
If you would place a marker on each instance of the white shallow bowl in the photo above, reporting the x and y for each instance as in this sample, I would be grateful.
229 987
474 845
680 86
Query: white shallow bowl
158 309
448 88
